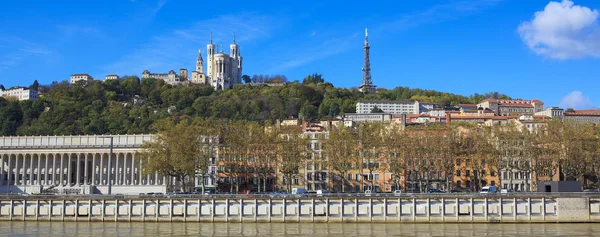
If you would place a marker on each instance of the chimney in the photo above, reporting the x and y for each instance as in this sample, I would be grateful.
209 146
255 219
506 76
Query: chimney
448 119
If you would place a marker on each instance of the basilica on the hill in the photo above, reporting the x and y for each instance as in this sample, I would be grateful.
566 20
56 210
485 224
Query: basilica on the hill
223 70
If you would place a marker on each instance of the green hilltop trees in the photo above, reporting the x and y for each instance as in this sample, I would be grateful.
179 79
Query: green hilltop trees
131 105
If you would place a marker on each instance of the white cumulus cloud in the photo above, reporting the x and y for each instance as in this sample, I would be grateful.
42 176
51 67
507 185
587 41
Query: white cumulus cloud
563 30
576 100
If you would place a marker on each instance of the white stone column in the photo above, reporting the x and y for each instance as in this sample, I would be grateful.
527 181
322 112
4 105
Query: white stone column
69 170
31 169
132 179
46 169
2 169
53 169
10 170
86 167
62 169
17 171
101 166
78 167
155 178
117 167
24 174
148 177
93 169
140 175
39 169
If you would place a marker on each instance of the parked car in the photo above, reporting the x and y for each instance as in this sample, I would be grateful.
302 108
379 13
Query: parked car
368 193
434 190
489 189
299 191
506 191
397 192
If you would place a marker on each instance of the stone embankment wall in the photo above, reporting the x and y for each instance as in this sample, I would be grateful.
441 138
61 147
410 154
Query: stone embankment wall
467 209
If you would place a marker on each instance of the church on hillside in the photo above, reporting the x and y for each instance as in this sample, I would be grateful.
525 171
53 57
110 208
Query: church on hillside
223 70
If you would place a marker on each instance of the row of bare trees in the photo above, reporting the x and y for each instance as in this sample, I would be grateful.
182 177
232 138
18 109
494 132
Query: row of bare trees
185 150
554 150
246 150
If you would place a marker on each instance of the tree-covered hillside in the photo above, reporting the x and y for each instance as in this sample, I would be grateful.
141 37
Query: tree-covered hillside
131 105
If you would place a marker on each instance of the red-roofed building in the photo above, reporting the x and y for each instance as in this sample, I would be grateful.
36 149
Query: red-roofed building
584 116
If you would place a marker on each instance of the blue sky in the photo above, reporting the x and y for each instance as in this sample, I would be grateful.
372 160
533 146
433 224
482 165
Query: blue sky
528 49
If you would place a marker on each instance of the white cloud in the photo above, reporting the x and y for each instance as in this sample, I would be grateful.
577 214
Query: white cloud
563 31
576 100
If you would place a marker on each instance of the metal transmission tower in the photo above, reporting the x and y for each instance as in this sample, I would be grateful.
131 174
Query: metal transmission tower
367 84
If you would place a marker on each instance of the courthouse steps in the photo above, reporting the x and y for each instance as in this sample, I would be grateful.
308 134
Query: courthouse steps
420 208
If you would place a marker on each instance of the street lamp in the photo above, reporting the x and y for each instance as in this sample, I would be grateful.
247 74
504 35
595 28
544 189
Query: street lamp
109 164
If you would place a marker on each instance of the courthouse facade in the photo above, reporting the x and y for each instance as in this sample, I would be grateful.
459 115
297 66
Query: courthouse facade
76 164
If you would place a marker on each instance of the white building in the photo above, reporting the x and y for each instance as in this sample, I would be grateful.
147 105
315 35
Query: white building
170 78
112 77
81 77
552 112
20 93
389 107
223 70
79 165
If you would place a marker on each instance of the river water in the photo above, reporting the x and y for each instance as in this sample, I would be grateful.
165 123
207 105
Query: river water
291 229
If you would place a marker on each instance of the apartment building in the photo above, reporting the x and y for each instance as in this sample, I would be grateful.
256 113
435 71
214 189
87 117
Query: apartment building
20 93
390 107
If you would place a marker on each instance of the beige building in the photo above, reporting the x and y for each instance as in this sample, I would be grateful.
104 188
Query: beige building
583 116
390 107
512 107
19 93
170 78
81 77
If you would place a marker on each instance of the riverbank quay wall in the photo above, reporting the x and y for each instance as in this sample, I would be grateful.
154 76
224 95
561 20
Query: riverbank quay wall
551 208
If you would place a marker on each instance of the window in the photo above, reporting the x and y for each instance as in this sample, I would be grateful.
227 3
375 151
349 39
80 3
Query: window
357 177
458 173
493 183
376 177
457 161
349 176
458 184
468 173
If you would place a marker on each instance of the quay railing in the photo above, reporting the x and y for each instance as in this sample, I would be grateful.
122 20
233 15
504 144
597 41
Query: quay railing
299 196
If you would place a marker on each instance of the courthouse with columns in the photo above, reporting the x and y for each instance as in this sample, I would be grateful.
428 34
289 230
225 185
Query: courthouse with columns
79 165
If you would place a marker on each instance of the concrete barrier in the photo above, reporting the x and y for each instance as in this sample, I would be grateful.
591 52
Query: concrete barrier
420 208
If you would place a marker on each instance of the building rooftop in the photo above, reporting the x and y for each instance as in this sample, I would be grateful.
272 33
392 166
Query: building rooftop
588 112
387 101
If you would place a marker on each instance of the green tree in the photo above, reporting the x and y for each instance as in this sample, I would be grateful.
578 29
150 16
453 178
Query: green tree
35 86
376 110
174 152
246 79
